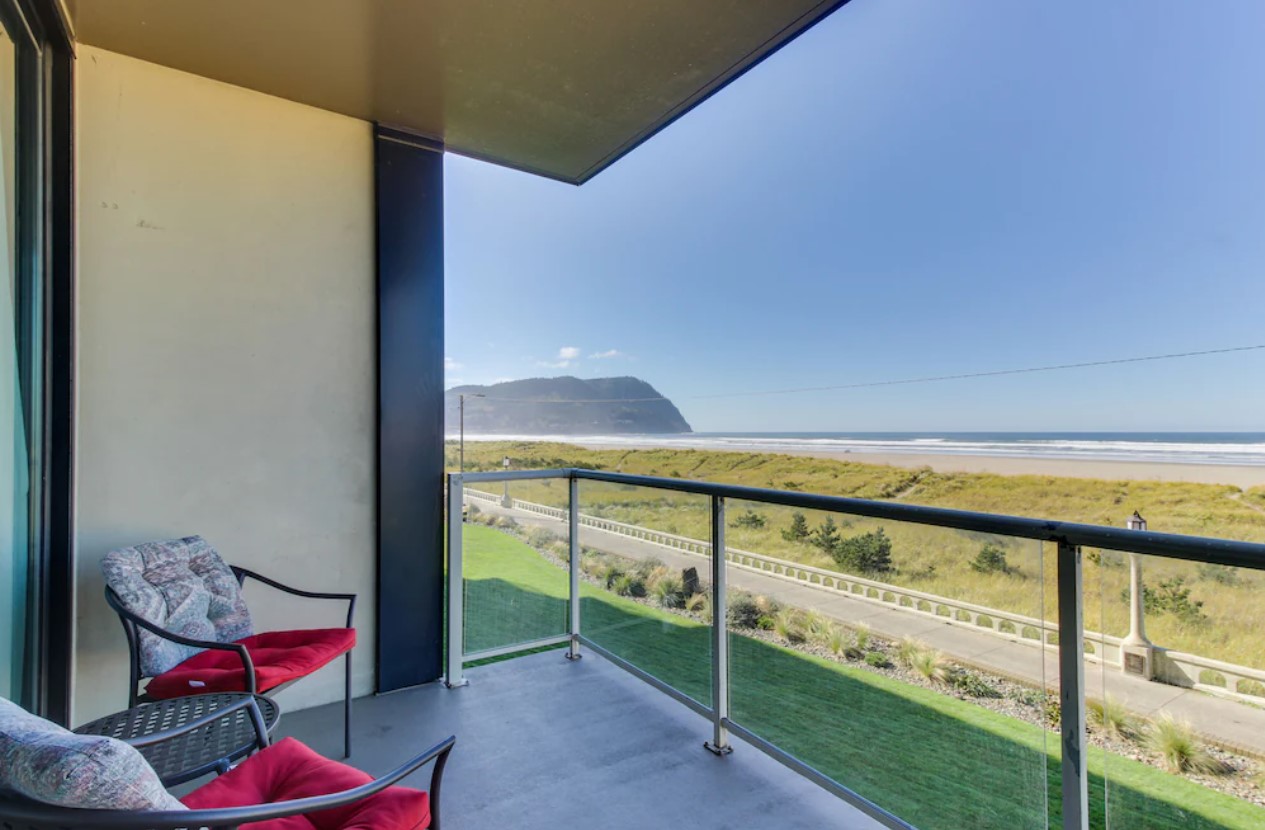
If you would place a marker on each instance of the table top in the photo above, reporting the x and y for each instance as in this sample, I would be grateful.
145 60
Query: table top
193 754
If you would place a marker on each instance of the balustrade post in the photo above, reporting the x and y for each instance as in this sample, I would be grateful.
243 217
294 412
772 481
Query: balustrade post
1072 688
719 744
574 554
456 586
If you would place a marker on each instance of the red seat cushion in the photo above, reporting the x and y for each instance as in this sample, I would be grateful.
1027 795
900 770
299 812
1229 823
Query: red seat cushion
279 657
288 770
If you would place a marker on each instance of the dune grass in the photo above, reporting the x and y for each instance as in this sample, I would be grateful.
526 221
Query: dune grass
938 560
937 761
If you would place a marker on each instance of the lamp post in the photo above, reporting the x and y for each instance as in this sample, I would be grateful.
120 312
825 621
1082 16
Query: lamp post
1137 652
506 501
461 418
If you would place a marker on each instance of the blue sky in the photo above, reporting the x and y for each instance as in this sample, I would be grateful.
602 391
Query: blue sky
910 189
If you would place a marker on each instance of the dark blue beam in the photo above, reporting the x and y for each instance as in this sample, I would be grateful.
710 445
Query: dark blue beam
409 173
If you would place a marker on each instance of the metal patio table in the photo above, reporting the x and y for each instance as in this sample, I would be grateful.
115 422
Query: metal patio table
183 739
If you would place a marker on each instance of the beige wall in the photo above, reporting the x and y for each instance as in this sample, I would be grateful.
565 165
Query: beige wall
226 348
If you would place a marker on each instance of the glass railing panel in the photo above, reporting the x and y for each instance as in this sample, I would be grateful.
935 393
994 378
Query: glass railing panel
1176 704
514 557
906 662
645 581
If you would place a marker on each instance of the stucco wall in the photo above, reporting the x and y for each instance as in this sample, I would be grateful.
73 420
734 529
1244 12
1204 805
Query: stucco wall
226 348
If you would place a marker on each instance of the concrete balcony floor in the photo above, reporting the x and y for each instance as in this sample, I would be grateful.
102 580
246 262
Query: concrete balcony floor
547 743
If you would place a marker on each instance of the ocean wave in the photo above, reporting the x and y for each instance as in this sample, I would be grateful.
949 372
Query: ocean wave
1161 449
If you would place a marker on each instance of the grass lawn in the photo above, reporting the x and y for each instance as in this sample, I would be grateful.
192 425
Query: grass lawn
936 761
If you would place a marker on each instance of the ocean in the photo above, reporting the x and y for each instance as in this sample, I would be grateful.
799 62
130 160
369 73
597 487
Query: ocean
1220 448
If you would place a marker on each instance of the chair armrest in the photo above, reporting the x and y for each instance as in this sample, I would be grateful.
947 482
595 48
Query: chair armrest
243 573
256 720
229 817
117 604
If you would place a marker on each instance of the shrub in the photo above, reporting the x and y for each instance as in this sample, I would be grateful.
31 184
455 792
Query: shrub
862 636
699 604
1176 744
816 625
971 684
878 660
1029 697
789 625
1171 596
539 537
647 568
853 653
742 610
836 640
506 522
826 537
930 664
798 531
1051 710
869 553
750 520
610 574
991 559
907 651
1110 716
629 585
669 593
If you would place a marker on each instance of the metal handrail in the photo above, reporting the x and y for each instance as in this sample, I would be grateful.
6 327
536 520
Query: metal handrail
1174 546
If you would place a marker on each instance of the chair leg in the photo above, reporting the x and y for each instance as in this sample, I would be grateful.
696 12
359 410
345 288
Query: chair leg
347 710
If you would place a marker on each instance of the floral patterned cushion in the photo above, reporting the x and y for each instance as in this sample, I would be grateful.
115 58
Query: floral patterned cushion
43 762
183 586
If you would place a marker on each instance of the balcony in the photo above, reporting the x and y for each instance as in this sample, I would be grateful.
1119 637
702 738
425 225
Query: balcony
905 699
543 742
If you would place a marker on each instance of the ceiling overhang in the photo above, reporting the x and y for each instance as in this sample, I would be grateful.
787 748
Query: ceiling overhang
560 88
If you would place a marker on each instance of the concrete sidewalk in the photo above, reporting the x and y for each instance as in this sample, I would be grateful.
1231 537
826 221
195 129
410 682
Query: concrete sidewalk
1239 727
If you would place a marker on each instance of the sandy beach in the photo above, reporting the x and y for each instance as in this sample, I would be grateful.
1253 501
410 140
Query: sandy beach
1068 468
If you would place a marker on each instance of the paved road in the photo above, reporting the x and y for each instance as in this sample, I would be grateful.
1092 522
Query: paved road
1233 724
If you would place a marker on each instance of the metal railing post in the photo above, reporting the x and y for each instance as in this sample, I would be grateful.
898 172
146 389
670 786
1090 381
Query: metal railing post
1072 688
456 585
573 558
719 744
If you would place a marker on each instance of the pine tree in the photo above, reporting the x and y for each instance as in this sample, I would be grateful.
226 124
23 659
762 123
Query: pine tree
869 553
798 530
827 536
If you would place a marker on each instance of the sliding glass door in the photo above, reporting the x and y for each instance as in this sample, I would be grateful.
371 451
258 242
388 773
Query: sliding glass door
19 370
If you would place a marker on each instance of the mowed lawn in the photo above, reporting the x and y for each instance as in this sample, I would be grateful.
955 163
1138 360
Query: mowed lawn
936 761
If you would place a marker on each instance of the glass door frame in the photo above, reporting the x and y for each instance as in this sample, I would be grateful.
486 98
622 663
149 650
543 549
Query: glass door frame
44 311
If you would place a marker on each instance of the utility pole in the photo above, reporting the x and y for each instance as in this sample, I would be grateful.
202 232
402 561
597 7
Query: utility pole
1137 652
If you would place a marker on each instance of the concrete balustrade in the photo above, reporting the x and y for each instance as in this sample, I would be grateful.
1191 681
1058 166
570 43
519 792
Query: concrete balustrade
1172 667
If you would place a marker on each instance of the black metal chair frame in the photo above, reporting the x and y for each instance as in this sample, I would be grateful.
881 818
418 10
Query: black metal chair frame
132 621
28 815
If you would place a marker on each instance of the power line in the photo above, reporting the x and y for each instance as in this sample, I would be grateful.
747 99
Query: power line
903 381
1054 368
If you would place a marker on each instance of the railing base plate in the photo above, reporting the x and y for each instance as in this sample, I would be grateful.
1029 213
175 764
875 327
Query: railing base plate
719 751
459 684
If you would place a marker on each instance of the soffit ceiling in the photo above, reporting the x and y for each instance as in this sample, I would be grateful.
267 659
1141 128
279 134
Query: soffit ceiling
561 88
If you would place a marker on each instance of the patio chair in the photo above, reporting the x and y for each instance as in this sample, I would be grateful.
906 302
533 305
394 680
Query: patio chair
53 779
189 630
